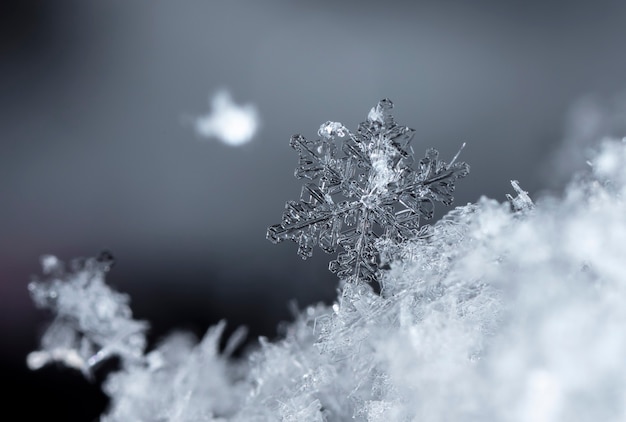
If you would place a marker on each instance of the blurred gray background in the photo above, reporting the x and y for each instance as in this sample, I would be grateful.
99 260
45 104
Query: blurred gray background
94 152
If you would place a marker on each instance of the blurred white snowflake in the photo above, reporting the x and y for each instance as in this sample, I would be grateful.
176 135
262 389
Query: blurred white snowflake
228 122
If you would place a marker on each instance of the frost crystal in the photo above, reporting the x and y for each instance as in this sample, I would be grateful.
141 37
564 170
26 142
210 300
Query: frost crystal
92 321
363 190
522 201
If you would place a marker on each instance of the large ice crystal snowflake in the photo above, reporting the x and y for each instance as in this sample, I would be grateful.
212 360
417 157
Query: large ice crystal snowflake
363 189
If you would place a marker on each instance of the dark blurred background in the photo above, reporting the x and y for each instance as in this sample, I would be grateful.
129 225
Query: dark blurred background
94 153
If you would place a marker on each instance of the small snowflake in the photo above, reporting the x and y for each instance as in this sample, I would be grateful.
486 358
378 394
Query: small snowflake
363 189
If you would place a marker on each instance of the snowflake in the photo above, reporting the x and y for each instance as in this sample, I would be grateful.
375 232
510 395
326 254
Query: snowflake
363 190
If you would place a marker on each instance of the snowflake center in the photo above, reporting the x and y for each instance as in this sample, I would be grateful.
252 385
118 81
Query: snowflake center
370 201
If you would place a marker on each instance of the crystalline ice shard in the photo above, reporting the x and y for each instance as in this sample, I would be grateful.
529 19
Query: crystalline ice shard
362 187
522 201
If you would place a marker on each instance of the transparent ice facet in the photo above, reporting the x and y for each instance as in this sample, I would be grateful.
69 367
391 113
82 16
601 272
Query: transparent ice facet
363 188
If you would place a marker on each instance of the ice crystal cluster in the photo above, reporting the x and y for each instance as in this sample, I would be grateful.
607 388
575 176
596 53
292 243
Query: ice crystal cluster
499 311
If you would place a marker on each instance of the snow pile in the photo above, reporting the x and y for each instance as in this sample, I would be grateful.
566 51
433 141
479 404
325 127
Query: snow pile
501 311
